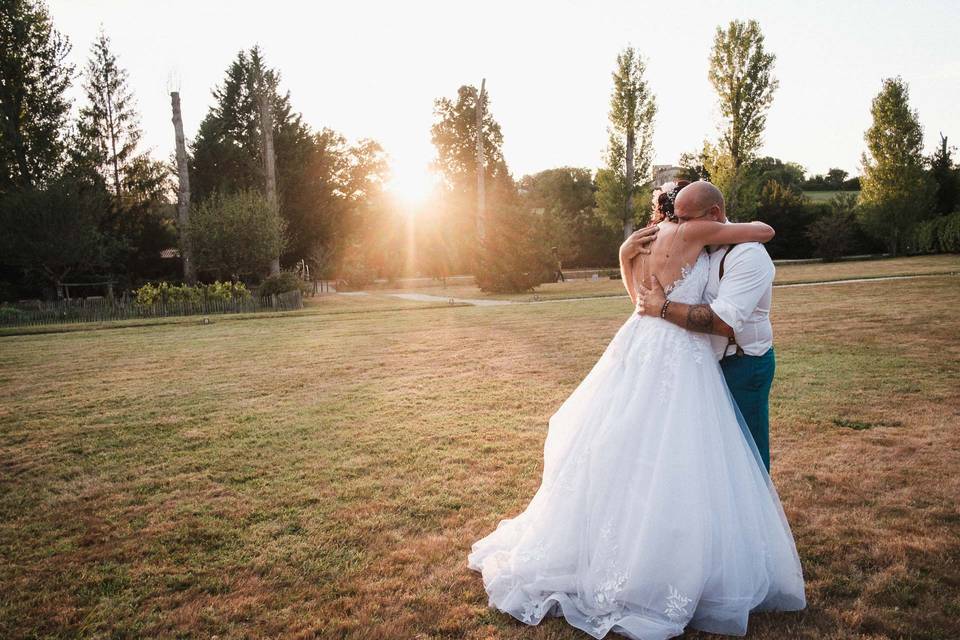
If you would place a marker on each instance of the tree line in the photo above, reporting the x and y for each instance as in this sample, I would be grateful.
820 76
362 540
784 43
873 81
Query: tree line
80 199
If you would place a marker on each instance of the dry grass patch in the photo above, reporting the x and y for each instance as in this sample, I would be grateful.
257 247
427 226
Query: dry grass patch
325 476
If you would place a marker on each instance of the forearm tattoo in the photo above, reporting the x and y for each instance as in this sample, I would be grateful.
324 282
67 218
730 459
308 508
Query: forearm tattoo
700 317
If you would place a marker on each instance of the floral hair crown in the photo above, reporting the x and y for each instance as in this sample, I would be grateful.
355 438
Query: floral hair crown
665 196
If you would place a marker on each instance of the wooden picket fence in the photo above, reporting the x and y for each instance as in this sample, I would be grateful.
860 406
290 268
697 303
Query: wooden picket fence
37 312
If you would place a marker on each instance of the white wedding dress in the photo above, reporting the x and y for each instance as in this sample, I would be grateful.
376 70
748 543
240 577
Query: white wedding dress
654 512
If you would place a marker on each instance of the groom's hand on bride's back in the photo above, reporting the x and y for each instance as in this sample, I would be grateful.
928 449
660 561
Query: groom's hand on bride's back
638 242
650 300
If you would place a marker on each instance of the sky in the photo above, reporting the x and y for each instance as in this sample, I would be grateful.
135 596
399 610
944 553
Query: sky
372 69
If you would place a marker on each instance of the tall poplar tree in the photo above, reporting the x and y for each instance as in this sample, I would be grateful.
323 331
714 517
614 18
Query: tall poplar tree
741 72
628 156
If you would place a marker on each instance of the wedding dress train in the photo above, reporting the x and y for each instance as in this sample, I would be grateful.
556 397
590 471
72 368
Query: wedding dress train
654 512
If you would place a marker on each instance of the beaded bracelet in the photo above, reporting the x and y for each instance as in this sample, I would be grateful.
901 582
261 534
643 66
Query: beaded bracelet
663 309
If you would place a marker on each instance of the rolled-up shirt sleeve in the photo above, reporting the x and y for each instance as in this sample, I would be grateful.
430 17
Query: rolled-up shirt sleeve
747 276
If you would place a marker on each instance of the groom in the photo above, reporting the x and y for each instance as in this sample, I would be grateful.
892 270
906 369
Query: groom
736 314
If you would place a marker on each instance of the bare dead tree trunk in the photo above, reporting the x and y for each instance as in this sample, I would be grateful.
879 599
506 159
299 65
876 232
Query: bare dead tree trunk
481 187
269 159
628 213
183 193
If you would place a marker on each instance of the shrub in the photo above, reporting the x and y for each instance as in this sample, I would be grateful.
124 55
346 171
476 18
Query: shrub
785 209
941 234
925 236
164 292
281 283
225 291
950 234
9 315
832 235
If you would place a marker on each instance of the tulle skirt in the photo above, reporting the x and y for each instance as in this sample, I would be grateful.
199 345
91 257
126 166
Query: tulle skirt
654 512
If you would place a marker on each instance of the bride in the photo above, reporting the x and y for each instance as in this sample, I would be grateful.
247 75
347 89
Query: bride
654 512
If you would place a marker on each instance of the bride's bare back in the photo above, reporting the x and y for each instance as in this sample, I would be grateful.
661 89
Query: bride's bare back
669 255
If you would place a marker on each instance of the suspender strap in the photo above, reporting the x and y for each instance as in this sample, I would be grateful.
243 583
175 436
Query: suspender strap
724 259
731 340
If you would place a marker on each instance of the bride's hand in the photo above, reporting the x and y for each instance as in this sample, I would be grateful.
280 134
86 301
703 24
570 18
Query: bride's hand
638 242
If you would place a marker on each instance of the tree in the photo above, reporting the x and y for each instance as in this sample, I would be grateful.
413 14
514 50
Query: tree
851 184
513 254
565 200
517 257
632 108
236 235
183 191
34 78
835 179
53 231
755 177
896 191
947 178
370 229
454 135
741 72
227 150
694 165
313 169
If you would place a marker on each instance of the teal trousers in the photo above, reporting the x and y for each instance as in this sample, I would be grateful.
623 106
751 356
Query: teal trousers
749 379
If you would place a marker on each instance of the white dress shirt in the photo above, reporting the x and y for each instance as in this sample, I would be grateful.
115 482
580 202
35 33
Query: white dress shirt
743 298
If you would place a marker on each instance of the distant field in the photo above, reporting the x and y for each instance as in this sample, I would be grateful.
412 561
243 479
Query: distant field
825 196
323 475
786 274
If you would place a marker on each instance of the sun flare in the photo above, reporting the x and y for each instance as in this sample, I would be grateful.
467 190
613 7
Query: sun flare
411 183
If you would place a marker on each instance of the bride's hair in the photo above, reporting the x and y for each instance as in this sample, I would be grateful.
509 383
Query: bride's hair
662 202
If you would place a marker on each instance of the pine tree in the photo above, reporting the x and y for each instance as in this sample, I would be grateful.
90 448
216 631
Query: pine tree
34 78
632 108
108 131
896 192
227 154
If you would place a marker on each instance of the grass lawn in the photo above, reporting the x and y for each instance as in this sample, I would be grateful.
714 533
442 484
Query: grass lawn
786 274
324 474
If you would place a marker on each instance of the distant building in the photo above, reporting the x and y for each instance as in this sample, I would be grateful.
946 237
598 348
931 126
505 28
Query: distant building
665 173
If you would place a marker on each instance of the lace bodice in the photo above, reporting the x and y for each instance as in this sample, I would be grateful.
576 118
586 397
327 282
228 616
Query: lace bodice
688 288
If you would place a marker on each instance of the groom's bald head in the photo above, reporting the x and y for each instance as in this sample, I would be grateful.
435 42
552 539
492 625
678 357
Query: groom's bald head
698 198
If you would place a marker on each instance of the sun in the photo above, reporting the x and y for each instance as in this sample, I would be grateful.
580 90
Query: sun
411 182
